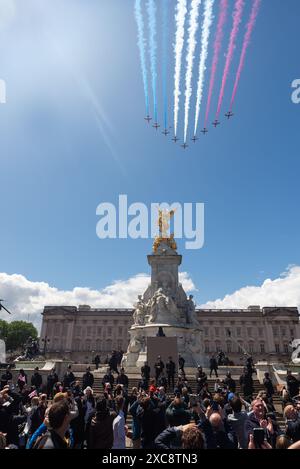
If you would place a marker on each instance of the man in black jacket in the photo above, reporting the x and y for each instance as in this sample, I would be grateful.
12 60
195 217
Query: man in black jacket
123 379
145 373
246 383
213 366
159 367
108 378
52 379
87 379
69 378
181 362
36 379
230 383
171 369
268 385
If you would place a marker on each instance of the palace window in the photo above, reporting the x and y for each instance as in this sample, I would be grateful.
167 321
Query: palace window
277 348
109 331
260 332
249 331
283 331
120 344
206 347
99 329
262 348
120 331
206 331
229 350
275 331
251 347
240 350
89 330
238 331
217 331
88 345
286 348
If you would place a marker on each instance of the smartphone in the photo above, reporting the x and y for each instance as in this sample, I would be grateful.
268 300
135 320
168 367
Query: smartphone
258 437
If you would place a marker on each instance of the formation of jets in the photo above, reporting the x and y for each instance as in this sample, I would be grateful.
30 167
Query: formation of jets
175 139
3 307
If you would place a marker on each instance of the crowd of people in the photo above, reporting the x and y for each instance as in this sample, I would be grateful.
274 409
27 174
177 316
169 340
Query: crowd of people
66 413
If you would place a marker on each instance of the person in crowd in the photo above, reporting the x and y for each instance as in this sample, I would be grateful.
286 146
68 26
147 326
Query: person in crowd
201 379
6 377
159 367
136 426
179 385
146 416
88 379
113 362
69 378
230 383
89 405
292 384
237 420
177 413
77 389
246 383
36 379
101 429
292 423
171 370
119 427
108 378
52 379
145 374
283 442
162 380
268 385
181 363
59 421
22 380
258 419
123 379
97 361
205 393
284 397
213 365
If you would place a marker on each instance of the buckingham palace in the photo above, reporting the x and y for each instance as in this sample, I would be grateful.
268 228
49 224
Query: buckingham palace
77 333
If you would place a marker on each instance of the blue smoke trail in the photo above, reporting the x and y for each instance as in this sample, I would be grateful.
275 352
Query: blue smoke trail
151 7
142 47
165 59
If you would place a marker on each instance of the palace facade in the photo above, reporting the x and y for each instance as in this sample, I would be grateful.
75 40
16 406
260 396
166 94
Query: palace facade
79 333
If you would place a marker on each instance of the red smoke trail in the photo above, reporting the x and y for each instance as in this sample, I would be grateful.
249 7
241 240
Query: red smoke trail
247 39
217 49
237 18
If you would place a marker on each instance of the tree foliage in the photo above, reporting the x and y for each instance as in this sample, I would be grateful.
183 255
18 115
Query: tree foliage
16 333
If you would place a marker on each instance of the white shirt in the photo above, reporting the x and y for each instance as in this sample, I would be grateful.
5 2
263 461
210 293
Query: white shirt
119 432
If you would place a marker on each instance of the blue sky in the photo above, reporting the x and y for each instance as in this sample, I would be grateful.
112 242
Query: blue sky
72 135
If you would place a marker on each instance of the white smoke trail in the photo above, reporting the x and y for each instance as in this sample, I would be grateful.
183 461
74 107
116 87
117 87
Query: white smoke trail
142 48
151 8
207 22
181 11
192 43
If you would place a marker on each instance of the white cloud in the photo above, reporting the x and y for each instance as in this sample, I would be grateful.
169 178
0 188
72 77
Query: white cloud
282 291
24 297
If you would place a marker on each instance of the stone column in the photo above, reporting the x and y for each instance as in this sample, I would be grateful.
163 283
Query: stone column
270 338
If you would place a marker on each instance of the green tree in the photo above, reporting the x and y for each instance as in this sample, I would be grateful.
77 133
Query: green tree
3 329
18 334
